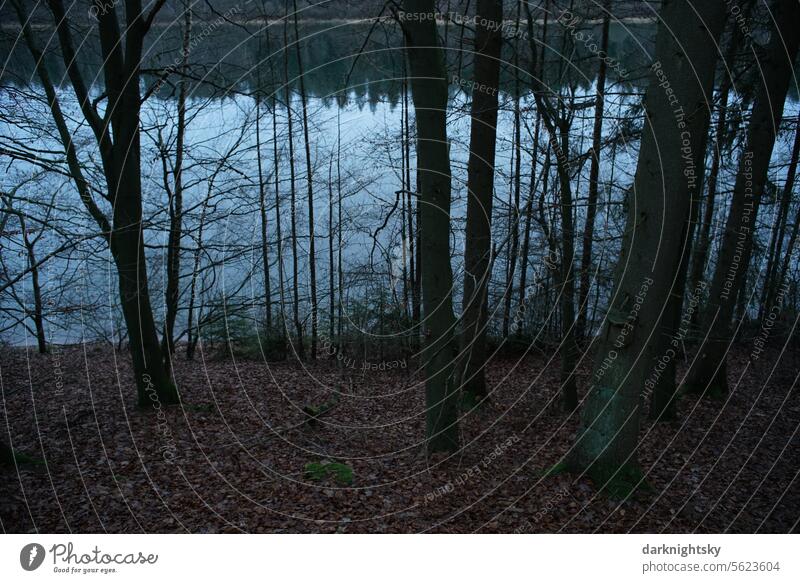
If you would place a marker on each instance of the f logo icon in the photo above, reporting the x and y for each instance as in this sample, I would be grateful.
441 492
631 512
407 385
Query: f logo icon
31 556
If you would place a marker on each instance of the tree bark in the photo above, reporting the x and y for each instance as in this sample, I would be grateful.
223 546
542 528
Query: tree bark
480 189
708 374
430 96
680 85
701 247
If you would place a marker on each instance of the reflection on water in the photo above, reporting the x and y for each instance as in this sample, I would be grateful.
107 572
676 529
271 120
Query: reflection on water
222 261
229 58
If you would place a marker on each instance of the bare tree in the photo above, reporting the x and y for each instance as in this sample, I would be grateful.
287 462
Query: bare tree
117 136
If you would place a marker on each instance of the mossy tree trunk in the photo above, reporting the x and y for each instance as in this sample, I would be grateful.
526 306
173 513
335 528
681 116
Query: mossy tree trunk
676 102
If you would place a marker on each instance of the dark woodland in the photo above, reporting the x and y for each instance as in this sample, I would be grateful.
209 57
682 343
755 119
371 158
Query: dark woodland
440 266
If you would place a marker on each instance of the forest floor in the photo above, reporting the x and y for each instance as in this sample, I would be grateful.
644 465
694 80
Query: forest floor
233 457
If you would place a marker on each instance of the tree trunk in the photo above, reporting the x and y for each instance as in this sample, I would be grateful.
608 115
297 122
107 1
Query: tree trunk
700 251
276 161
339 265
526 234
558 135
176 205
300 346
654 240
594 176
430 96
480 189
36 288
312 257
790 244
331 267
772 280
121 160
708 374
262 208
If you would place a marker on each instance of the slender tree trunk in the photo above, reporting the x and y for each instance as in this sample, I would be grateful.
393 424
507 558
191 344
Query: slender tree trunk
430 97
36 288
312 256
176 204
194 336
708 374
276 162
262 207
276 179
413 265
569 347
558 130
594 177
526 235
771 278
513 244
700 251
331 268
655 236
298 325
339 268
480 189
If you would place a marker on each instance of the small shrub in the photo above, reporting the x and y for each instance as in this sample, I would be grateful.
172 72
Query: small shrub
319 471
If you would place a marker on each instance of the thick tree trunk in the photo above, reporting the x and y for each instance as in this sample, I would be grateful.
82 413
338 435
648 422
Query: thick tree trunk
708 374
430 97
480 188
680 85
127 248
